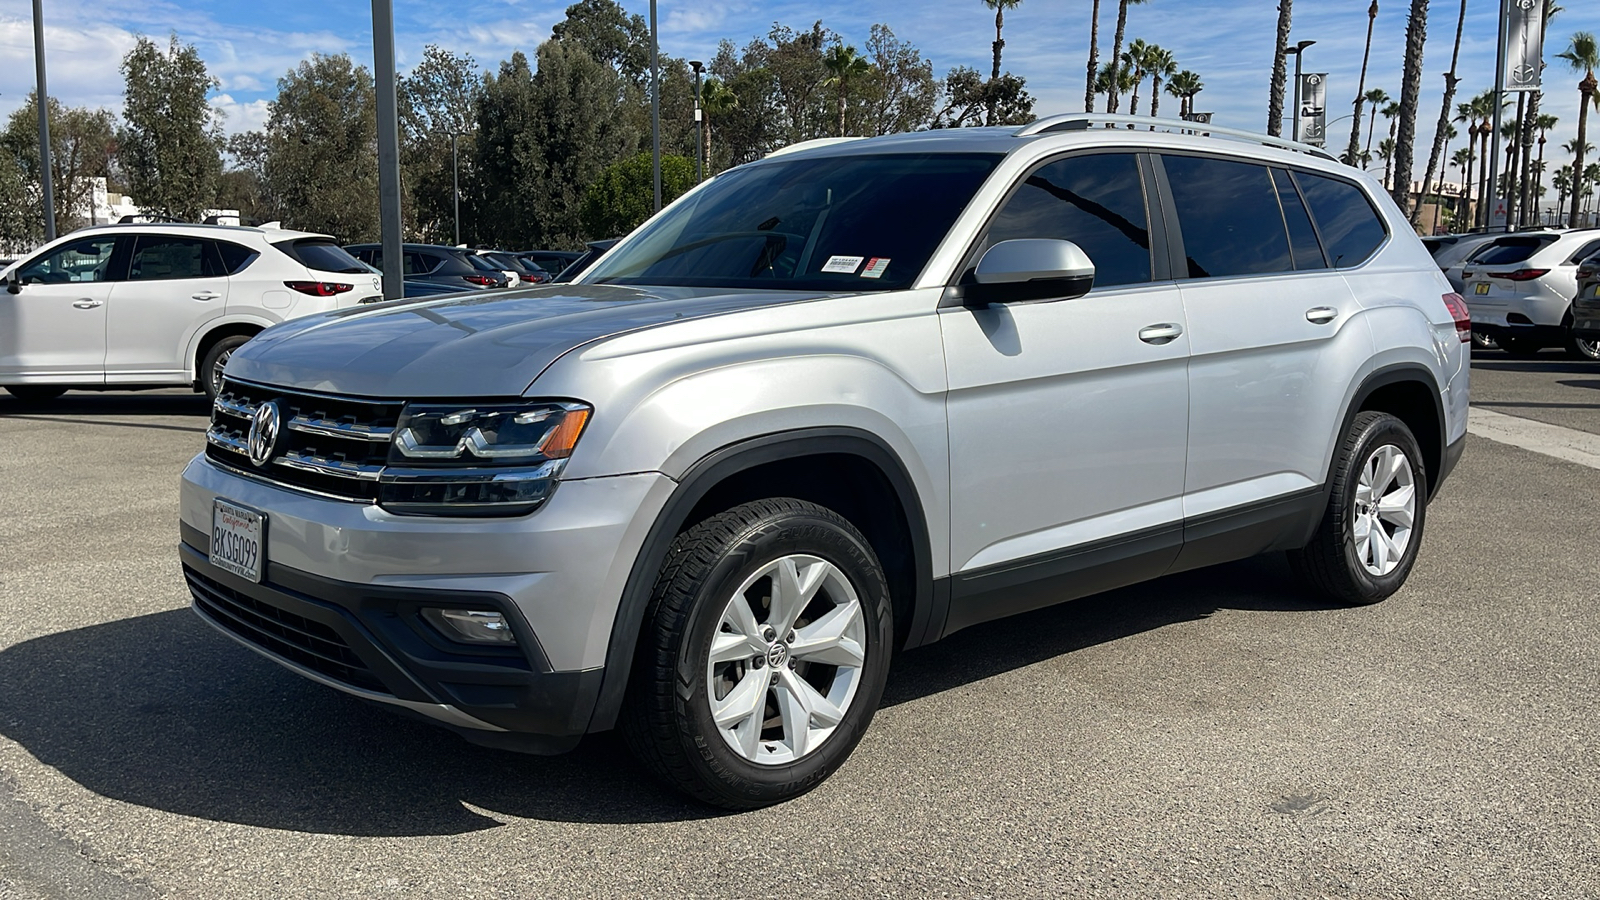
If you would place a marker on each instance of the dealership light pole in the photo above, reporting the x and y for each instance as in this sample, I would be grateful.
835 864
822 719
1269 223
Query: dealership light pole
388 149
699 151
43 99
655 107
1299 50
455 184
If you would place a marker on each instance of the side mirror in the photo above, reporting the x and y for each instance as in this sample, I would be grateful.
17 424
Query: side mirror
1030 270
13 282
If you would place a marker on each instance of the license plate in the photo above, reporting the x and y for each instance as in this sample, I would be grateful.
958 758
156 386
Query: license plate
238 539
1481 287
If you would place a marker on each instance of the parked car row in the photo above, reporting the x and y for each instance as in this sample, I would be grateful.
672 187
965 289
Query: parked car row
1523 288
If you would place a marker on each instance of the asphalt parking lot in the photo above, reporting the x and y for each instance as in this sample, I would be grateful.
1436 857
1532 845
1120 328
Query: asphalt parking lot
1212 734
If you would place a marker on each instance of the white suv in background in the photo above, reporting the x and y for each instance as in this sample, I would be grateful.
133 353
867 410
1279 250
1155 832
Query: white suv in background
1520 290
158 305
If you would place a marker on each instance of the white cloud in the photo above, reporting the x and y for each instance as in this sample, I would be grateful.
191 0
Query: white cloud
241 116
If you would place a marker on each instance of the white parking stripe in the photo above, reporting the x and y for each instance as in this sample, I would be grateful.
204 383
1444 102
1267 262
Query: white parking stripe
1569 444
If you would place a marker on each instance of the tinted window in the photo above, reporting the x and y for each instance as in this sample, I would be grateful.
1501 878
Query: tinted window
322 255
1097 202
1229 216
161 258
853 223
1586 251
235 257
417 264
1511 250
1303 245
1351 229
88 259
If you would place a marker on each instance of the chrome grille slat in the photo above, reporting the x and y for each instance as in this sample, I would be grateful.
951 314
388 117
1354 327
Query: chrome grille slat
226 441
336 429
226 404
322 465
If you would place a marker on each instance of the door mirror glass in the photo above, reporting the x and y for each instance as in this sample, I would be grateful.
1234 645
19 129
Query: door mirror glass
13 282
1031 269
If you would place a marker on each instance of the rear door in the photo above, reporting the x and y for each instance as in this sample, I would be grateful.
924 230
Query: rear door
1273 345
175 285
54 328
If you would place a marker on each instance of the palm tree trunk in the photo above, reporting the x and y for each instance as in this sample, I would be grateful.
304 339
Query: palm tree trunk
1155 94
1116 56
1466 182
1527 176
1410 93
999 44
1388 164
840 132
1094 57
1133 104
1371 124
1280 70
705 142
1440 131
1361 88
1513 160
1541 172
1586 88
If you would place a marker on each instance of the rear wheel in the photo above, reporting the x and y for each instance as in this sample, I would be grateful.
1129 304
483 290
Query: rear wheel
764 657
216 359
1482 340
1583 348
1370 532
35 393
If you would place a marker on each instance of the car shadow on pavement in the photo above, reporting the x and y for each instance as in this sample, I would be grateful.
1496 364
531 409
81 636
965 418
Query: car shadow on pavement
1554 364
79 406
162 712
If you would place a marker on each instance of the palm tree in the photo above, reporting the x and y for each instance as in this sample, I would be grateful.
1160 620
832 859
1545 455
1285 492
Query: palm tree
1410 96
716 101
1185 85
844 64
1373 98
1386 153
1450 82
1562 183
999 7
1280 70
1094 58
1469 117
1581 55
1134 59
1390 112
1113 82
1354 149
1543 122
1115 78
1463 163
1160 65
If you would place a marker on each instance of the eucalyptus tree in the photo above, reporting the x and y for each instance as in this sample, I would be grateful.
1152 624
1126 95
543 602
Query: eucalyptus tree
170 144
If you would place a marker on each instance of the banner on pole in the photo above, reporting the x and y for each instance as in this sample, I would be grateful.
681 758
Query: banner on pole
1524 49
1313 109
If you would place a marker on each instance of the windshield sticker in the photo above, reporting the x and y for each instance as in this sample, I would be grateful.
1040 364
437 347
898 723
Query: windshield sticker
845 264
876 266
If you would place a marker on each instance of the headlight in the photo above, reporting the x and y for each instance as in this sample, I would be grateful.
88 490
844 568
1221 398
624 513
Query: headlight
465 459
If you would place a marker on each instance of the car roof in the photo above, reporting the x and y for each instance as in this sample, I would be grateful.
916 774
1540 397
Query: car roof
271 235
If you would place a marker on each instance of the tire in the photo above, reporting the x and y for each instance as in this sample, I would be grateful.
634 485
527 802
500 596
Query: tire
1583 348
210 374
1482 340
1520 348
716 590
1339 563
35 393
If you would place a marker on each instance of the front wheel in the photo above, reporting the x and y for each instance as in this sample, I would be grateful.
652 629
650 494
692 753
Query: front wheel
1483 340
1368 539
1583 348
764 655
216 359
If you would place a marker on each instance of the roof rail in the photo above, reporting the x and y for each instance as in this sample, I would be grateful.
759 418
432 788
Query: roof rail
134 218
1086 121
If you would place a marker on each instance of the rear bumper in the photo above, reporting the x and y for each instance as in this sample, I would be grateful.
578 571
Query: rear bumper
370 641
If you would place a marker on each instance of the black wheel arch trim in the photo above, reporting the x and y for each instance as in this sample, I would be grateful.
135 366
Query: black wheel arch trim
1398 373
706 474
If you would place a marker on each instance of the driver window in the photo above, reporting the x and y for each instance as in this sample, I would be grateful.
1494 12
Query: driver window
78 261
1095 201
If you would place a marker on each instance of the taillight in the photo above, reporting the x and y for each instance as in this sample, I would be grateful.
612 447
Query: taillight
319 288
1520 274
1462 315
480 280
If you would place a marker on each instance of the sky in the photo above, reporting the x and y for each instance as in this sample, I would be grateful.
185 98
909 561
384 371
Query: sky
249 45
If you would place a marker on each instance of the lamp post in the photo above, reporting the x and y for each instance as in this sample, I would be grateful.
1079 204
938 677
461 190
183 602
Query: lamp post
699 114
43 99
655 107
455 184
389 224
1299 52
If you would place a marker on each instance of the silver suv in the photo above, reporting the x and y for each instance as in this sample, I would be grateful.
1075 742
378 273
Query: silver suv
829 406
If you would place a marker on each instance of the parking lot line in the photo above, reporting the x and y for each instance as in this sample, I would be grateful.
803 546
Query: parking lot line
1568 444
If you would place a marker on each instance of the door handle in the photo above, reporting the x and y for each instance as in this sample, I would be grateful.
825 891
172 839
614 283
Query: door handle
1160 334
86 303
1321 315
205 295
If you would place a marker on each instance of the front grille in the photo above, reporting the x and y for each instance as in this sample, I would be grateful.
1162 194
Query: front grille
293 637
329 445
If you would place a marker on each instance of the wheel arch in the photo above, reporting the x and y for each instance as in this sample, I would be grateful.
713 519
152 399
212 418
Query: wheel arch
790 463
208 339
1409 392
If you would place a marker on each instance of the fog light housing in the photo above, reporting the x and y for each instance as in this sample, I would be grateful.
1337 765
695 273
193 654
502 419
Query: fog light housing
471 626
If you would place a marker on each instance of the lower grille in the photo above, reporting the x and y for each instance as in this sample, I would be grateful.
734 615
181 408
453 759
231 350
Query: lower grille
293 637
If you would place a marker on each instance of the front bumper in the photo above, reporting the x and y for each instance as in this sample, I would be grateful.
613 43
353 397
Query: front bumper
1586 318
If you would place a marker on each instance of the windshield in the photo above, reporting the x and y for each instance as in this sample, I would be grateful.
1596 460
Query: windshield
853 223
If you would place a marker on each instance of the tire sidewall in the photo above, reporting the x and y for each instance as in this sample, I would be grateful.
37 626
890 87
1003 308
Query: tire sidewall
1385 430
782 535
232 342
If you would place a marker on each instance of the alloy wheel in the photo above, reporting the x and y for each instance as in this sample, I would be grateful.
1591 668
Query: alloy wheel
216 371
1385 508
786 659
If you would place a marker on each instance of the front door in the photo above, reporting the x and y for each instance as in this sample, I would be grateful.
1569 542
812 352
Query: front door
175 285
54 328
1068 419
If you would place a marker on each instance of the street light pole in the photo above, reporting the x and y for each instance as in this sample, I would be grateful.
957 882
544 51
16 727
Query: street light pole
455 184
1299 51
699 127
43 98
388 149
655 107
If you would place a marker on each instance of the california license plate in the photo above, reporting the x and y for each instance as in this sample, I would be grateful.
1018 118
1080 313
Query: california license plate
238 539
1481 288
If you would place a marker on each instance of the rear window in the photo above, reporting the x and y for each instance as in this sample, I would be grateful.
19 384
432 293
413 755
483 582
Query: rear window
323 256
235 257
1351 229
1511 250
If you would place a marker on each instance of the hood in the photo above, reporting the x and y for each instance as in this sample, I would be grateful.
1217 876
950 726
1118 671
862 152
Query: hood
468 345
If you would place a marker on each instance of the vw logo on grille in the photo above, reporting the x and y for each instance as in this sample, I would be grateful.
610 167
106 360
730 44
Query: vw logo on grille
264 432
